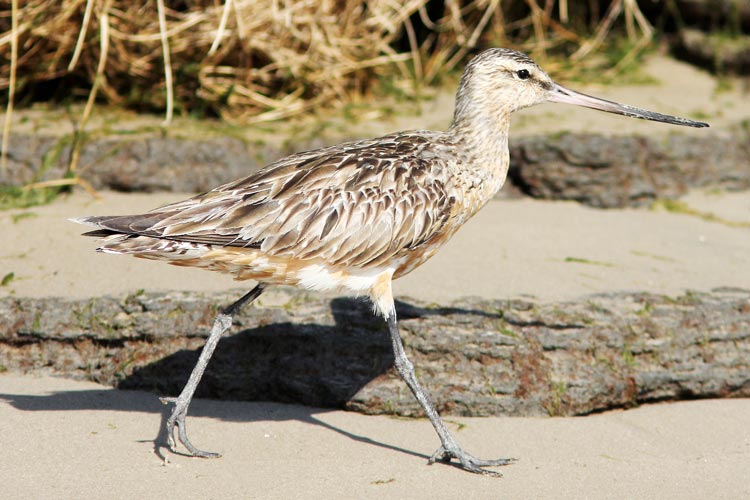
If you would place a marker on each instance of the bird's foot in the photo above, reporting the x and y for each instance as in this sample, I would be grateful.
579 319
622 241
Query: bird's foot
177 421
469 462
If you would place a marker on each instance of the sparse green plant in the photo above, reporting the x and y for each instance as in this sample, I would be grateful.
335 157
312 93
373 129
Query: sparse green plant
16 218
579 260
680 207
459 425
646 309
558 390
7 279
628 357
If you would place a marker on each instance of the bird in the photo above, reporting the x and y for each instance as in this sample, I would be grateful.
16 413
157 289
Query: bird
353 217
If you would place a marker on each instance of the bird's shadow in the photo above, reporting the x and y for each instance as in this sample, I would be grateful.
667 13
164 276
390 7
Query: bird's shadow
305 364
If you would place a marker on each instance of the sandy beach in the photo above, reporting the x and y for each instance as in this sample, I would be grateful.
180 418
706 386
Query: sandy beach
66 439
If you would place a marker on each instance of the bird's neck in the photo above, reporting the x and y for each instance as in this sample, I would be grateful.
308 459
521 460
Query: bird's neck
483 138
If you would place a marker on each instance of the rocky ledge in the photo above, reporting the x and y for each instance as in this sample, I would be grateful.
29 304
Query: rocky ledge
477 357
594 169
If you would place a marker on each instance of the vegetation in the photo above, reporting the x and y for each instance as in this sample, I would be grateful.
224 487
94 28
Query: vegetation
253 61
680 207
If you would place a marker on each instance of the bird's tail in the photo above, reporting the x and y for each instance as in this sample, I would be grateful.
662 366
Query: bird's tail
120 242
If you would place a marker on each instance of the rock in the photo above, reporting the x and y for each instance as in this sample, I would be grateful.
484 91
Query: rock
627 171
477 357
715 51
137 164
597 170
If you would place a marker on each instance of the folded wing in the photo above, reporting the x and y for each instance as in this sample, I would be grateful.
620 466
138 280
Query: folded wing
360 204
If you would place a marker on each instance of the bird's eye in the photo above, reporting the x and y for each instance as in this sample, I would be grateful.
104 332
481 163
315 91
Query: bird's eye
523 74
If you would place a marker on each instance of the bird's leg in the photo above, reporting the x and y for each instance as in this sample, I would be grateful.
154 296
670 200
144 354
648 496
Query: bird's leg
222 323
449 448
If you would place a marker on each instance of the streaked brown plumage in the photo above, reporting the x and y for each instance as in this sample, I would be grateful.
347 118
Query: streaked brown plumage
354 216
368 205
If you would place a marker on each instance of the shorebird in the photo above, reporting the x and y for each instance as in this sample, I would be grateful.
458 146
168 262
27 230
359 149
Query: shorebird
353 217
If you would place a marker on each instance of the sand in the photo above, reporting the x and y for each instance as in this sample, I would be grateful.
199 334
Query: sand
542 249
65 439
72 439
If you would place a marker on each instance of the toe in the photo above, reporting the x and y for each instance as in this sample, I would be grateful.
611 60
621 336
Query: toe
494 463
468 462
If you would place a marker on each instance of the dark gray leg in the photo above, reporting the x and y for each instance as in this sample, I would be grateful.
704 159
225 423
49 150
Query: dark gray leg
449 448
222 323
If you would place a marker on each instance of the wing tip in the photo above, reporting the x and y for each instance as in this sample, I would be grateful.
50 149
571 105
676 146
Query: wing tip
86 221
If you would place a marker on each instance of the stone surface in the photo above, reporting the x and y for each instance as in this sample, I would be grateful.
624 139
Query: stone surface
718 52
622 171
136 164
598 170
477 357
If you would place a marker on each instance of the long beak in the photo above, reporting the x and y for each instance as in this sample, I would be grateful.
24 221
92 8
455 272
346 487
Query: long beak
561 94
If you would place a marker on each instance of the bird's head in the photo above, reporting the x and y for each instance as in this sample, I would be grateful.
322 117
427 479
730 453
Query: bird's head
501 81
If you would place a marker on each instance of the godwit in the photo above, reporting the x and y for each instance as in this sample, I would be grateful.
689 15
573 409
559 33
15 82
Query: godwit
353 217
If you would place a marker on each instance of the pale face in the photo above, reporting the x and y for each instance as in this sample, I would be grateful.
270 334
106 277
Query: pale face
503 81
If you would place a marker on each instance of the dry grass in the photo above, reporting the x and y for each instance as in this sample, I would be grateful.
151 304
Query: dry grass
253 61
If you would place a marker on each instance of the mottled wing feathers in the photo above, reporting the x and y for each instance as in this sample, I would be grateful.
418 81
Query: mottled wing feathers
357 204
